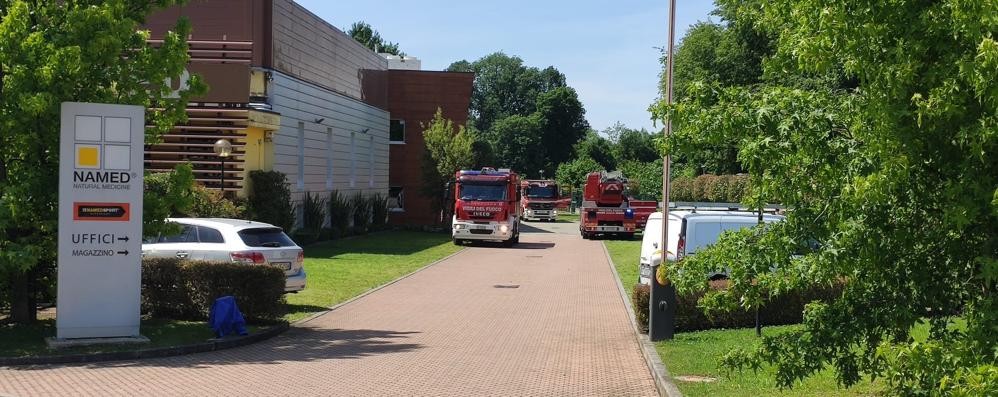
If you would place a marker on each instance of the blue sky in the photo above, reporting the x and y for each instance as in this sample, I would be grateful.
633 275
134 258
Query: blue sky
606 49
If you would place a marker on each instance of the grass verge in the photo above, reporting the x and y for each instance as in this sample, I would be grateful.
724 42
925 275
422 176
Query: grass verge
699 353
342 269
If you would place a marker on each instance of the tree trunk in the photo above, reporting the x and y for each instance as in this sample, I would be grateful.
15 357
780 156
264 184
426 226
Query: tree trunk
24 305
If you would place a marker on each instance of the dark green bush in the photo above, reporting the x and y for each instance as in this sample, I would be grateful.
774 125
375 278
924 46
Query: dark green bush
361 213
379 211
313 211
781 310
339 214
639 302
270 199
177 289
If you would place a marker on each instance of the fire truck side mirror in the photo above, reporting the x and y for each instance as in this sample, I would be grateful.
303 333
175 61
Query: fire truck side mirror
449 190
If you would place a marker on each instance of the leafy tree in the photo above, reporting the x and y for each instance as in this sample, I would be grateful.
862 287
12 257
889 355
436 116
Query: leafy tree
597 148
370 38
633 145
563 122
504 87
57 51
518 144
449 148
573 173
894 182
644 178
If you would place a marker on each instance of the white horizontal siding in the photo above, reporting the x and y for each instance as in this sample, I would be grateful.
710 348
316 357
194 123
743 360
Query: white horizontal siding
299 101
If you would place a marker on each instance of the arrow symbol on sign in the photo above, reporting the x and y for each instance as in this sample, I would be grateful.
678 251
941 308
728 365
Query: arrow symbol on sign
125 239
125 252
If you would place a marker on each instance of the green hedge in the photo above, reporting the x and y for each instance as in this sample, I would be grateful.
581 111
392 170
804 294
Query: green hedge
782 310
710 188
177 289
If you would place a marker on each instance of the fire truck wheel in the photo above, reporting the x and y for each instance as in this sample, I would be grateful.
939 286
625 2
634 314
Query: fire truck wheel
458 242
628 236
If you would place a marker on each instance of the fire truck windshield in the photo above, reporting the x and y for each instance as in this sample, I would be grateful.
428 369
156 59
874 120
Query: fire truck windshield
541 192
475 192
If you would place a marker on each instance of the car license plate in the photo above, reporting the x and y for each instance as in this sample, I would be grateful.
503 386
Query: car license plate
282 265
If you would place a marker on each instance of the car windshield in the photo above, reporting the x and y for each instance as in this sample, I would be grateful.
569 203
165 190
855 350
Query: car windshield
479 192
541 192
265 237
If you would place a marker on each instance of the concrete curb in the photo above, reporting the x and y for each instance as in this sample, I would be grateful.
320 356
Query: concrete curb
663 381
373 290
212 345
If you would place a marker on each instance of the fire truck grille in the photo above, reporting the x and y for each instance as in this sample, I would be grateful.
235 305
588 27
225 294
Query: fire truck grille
541 206
481 231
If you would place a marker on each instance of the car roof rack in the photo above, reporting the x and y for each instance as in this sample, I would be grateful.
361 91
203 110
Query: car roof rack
709 206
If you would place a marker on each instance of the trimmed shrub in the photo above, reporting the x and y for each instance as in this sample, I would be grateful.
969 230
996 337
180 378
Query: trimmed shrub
177 289
379 211
361 213
339 214
737 188
639 302
711 188
165 292
259 290
209 203
682 189
270 199
780 310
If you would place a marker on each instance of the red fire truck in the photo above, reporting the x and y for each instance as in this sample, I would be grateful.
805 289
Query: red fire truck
541 200
486 206
606 208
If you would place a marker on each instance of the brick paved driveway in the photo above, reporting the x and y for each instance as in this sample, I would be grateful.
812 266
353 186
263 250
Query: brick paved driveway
447 330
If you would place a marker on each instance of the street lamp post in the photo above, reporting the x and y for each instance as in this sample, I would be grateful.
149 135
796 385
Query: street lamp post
223 148
662 301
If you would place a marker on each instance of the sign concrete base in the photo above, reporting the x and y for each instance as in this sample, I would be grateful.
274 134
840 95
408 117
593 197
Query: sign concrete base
62 343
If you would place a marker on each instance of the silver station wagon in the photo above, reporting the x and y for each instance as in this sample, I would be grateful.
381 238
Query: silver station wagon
232 240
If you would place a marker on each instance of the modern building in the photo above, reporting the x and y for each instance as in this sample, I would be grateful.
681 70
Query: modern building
290 91
297 95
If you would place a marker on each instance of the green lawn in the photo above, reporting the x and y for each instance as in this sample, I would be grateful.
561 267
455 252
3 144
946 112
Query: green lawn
18 340
342 269
699 353
567 217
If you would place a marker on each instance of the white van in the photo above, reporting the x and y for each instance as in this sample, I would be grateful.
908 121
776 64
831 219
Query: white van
690 231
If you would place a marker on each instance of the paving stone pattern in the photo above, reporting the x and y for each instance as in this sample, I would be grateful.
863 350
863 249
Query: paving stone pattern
445 331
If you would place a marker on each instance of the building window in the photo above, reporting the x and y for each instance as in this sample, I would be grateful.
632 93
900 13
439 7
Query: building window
329 158
301 155
395 199
396 131
353 159
370 162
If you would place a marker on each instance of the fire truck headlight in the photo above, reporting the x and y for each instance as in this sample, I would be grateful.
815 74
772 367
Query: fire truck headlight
458 227
504 228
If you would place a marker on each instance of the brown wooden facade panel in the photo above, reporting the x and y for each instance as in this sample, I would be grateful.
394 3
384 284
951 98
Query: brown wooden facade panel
414 96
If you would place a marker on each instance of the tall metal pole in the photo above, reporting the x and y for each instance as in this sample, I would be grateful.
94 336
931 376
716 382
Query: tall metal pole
667 162
662 302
